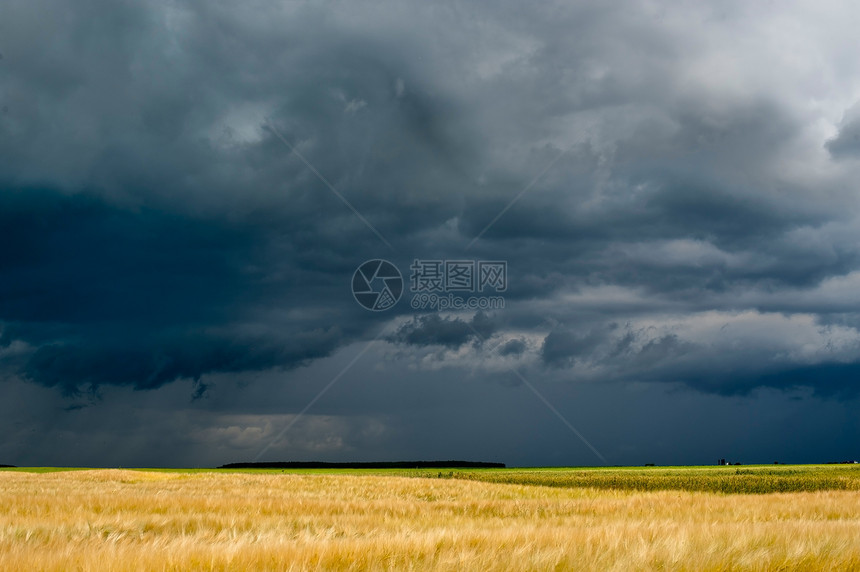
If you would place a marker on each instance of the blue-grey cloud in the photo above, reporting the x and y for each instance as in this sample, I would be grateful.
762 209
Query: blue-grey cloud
433 329
847 143
696 227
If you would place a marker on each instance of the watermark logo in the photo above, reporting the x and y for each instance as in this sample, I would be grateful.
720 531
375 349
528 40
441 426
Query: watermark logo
377 285
434 284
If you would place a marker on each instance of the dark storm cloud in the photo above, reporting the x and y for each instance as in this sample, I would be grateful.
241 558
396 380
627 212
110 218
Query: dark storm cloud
77 260
145 364
721 353
513 347
161 230
433 329
110 296
692 217
847 143
561 347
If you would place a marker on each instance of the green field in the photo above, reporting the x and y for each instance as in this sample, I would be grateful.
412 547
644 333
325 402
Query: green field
750 479
734 479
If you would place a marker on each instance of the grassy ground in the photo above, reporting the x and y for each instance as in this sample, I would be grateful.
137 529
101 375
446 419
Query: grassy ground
303 520
735 479
750 479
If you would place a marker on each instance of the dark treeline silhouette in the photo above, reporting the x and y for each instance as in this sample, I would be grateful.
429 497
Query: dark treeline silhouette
8 467
370 465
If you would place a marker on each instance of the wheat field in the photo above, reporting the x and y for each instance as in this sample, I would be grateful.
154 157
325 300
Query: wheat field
137 520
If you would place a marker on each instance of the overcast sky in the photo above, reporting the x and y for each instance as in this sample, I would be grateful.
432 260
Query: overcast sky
187 189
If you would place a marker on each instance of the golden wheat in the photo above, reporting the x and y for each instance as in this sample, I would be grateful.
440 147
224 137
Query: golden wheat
134 520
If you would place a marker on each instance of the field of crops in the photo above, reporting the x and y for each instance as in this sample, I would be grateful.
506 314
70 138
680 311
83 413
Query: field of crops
538 519
727 479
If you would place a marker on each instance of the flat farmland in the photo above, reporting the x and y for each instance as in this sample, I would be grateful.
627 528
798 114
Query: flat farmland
714 518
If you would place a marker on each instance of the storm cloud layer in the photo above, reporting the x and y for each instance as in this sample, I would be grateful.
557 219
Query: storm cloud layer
186 189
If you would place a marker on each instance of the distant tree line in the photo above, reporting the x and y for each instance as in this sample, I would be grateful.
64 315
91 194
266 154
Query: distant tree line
369 465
